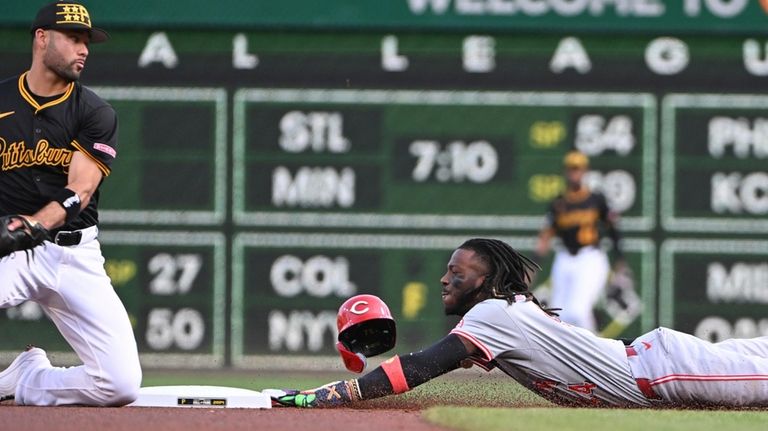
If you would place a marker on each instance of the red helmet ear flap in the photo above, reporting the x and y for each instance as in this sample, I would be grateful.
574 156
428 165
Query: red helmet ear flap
354 362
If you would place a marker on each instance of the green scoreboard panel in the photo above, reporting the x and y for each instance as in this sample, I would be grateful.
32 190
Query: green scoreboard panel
716 144
287 288
173 287
168 137
402 159
714 289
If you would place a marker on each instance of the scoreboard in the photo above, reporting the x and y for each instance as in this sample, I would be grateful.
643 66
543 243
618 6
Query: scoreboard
410 159
265 175
721 141
157 145
725 287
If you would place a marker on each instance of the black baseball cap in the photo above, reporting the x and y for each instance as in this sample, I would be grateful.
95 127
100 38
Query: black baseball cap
67 15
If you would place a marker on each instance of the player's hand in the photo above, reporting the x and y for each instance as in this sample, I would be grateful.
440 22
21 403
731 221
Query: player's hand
18 232
19 221
290 398
330 395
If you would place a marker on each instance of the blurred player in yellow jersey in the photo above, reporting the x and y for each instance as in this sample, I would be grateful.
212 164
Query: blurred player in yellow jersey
579 217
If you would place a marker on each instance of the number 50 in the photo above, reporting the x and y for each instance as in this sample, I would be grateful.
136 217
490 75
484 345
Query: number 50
185 329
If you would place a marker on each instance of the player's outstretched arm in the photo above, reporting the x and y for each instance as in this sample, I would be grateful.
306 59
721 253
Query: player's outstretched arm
395 375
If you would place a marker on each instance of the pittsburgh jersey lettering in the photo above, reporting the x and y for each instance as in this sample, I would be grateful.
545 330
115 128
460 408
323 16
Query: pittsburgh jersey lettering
17 155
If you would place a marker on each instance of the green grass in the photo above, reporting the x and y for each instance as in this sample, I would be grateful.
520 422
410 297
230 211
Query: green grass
564 419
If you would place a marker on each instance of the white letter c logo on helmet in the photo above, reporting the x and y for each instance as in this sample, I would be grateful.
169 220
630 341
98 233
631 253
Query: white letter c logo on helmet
355 310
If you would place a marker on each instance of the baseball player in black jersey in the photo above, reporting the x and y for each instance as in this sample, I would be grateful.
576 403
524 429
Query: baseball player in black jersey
579 217
57 143
503 326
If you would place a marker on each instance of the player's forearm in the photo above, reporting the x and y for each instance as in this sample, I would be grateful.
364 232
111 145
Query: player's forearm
389 379
611 220
50 216
615 236
64 207
403 373
542 246
395 375
83 180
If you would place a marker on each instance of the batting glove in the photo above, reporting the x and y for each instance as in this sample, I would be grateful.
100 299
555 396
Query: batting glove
331 395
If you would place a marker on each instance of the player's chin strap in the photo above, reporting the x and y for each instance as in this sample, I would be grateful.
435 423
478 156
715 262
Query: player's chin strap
354 362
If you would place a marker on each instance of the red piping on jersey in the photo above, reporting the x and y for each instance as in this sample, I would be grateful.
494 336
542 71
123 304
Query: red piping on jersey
475 341
646 385
708 378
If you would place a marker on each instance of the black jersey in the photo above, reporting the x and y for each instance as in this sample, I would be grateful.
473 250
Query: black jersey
578 218
37 139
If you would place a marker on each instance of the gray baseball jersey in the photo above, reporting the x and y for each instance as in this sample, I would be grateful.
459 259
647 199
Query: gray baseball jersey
571 366
562 363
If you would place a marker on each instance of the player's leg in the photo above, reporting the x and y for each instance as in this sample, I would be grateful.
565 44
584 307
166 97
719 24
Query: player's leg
93 320
747 346
687 370
22 275
589 275
21 279
560 277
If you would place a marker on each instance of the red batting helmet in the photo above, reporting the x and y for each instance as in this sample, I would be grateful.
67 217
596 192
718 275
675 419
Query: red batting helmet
366 326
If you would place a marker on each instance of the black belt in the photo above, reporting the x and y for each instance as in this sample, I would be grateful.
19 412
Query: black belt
67 239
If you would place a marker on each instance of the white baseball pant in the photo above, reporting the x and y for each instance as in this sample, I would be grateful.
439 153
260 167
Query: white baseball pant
73 289
682 369
577 281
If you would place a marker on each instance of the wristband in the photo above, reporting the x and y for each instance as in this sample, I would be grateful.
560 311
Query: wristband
394 371
70 201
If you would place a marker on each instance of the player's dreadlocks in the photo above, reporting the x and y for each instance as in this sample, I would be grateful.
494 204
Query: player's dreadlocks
509 272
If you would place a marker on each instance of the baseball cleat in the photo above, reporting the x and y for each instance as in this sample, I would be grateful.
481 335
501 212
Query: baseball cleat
9 378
